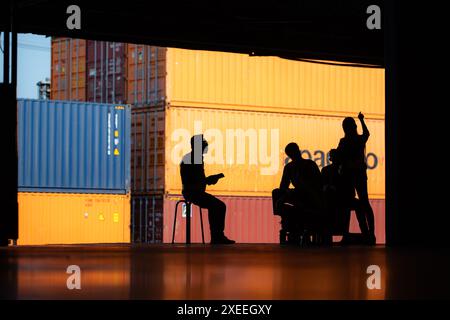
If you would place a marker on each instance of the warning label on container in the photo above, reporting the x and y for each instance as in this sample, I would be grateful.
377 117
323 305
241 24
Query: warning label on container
116 135
108 138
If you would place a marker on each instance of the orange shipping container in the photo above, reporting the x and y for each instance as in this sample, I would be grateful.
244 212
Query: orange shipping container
248 147
62 218
68 69
224 80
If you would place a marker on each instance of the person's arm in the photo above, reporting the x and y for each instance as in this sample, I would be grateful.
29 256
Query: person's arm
366 132
285 180
213 179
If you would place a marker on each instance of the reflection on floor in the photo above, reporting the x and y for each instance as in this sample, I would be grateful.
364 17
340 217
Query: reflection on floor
234 272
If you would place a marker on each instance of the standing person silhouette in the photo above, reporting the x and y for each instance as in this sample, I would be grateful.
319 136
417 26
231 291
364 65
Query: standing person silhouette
194 181
354 168
340 199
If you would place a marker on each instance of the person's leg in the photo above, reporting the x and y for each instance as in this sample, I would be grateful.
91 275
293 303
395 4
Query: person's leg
276 196
361 217
216 213
363 196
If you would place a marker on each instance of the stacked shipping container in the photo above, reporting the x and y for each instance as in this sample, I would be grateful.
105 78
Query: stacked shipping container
74 172
106 71
267 101
68 69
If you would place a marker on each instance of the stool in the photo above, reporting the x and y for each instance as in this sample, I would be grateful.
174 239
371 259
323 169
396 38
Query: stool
188 220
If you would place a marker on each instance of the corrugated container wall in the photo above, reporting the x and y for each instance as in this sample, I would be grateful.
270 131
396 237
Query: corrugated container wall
248 147
146 76
224 80
248 220
73 147
147 218
64 218
147 150
106 71
68 69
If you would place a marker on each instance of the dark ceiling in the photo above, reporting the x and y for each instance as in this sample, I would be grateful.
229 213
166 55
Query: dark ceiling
319 29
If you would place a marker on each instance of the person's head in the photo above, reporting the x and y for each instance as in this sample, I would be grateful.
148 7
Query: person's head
293 151
334 156
199 143
349 126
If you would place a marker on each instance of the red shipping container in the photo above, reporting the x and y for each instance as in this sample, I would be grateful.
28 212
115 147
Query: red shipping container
248 220
106 71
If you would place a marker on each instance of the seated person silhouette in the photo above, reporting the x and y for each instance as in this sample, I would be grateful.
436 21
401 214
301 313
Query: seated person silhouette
340 199
194 183
304 202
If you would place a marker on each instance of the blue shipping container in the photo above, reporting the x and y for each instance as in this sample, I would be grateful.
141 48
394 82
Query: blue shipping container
76 147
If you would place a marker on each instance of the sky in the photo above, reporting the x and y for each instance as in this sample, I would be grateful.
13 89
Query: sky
33 63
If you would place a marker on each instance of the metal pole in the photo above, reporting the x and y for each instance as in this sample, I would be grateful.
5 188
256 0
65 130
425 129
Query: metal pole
188 223
9 222
6 57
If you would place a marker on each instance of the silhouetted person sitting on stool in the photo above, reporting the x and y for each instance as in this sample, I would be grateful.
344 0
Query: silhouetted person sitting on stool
297 205
340 199
194 182
354 168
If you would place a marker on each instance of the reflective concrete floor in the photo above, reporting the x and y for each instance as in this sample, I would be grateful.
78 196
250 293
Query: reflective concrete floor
235 272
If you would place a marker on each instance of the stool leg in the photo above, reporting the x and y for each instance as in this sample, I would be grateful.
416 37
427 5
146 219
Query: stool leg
188 222
201 224
175 221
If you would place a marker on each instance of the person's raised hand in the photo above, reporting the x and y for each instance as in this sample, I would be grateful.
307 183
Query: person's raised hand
360 116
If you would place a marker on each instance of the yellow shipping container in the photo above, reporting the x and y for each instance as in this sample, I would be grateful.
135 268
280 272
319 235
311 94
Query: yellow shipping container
61 218
224 80
248 147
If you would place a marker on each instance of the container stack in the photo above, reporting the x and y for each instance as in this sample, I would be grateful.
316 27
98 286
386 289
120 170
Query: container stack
68 69
248 108
74 172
